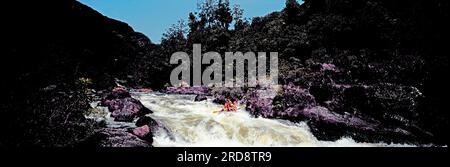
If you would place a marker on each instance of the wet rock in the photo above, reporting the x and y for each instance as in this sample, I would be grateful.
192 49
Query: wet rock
127 109
200 98
323 115
110 137
154 125
145 120
144 133
327 125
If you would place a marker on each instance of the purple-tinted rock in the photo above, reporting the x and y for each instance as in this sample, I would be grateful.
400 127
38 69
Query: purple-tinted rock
144 133
273 104
116 93
258 104
261 107
110 137
153 124
321 114
297 96
127 109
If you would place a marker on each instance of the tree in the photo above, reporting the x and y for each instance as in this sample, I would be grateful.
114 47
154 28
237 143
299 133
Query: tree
238 13
239 22
174 39
223 14
207 12
292 10
193 23
175 31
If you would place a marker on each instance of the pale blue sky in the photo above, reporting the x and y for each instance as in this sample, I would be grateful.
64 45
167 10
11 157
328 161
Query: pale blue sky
153 17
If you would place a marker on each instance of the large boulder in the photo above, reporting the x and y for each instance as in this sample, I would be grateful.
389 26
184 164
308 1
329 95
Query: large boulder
144 133
327 125
154 126
127 109
122 106
273 103
392 104
110 137
146 120
116 93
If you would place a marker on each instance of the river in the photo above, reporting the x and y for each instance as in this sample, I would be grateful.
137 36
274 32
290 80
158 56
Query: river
198 124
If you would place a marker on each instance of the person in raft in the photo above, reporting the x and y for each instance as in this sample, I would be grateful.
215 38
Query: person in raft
230 107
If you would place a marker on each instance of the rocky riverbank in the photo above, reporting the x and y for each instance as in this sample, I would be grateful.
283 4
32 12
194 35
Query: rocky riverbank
375 113
123 121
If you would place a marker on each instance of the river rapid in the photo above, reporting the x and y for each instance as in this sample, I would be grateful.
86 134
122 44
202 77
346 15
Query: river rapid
199 124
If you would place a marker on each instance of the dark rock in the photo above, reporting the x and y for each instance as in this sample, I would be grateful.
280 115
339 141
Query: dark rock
145 120
155 126
321 93
326 125
297 96
273 104
394 104
222 94
261 102
323 115
116 93
110 137
126 110
200 98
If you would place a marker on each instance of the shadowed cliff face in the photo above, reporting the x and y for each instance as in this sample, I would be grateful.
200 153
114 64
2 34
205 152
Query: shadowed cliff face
54 51
63 40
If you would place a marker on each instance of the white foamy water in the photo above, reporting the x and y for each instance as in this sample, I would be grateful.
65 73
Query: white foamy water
198 124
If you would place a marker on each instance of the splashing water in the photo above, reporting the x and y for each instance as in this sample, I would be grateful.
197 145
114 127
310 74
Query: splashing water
200 124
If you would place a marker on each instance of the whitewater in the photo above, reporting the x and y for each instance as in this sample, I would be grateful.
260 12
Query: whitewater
199 124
